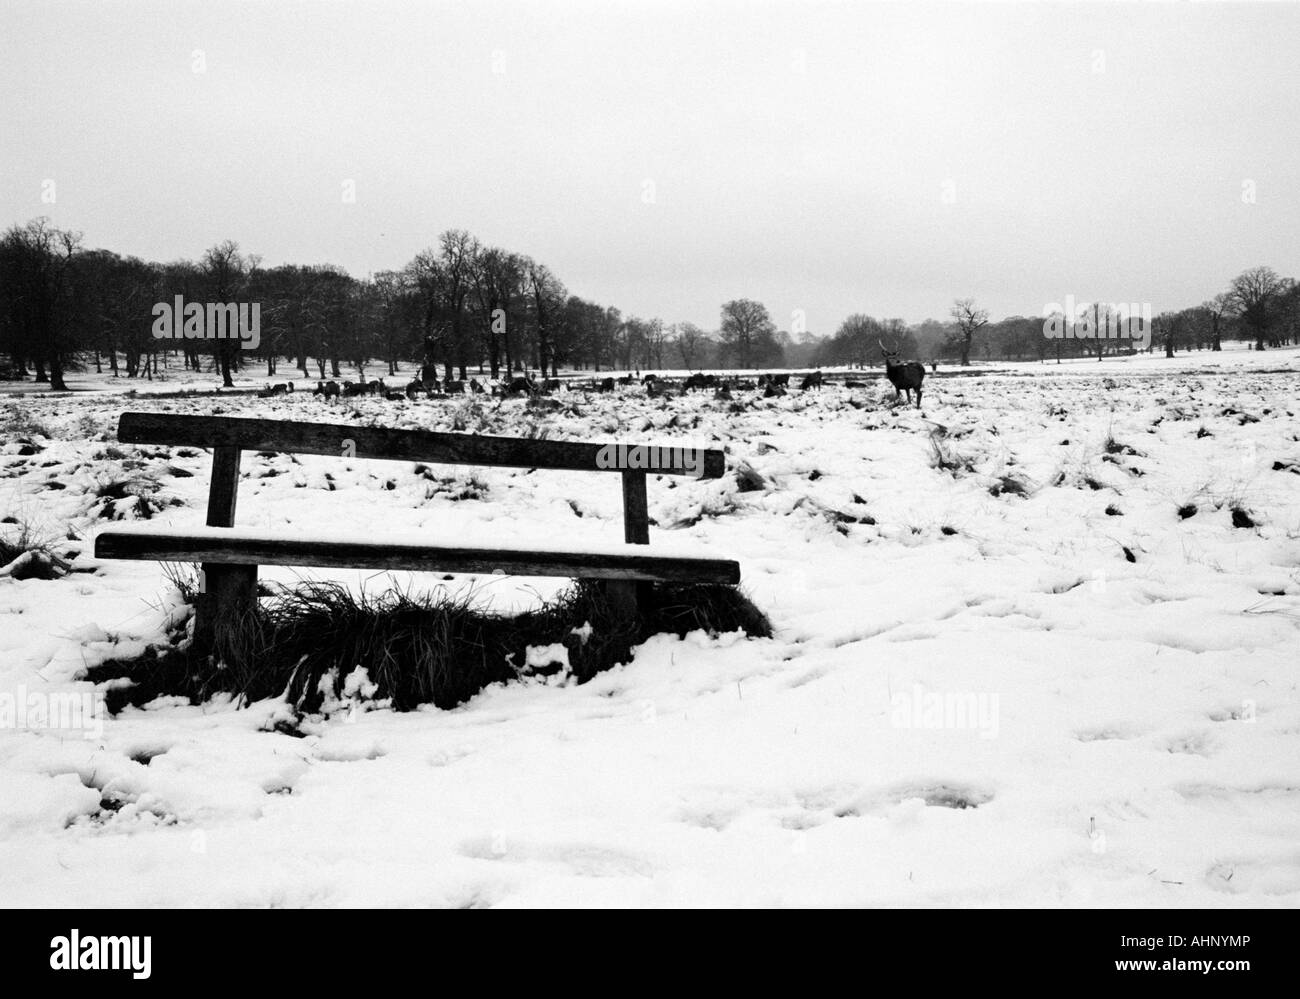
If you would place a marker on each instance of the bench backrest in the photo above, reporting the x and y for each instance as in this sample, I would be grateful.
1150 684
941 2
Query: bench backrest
341 440
229 436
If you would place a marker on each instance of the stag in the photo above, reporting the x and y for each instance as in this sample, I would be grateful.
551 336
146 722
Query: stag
903 375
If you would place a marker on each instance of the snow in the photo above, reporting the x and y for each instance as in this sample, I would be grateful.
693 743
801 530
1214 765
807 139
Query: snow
970 699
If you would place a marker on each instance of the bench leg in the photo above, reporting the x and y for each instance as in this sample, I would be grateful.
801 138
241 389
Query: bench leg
622 595
229 595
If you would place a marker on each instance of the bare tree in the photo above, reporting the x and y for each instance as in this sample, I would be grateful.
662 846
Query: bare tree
228 272
657 336
611 330
498 281
970 320
634 345
690 341
1289 312
747 331
1217 309
459 263
547 297
1252 297
34 281
390 296
1170 326
423 275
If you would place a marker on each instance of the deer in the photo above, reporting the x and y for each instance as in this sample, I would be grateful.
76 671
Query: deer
903 375
520 385
699 380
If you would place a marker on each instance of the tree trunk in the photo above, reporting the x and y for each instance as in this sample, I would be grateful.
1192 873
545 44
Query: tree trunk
56 373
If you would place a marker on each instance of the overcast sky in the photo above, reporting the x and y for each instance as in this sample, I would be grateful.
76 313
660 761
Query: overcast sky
665 157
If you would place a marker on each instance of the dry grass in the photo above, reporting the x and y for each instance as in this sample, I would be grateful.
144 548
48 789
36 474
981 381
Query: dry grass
437 648
26 555
16 421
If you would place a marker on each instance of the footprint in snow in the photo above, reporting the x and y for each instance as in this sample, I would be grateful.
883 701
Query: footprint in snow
937 794
1192 744
1106 733
350 754
144 755
583 859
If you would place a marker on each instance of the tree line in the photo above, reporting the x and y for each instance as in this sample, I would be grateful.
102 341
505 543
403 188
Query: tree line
460 304
1258 306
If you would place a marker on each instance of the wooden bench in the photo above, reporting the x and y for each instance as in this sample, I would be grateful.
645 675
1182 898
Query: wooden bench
230 557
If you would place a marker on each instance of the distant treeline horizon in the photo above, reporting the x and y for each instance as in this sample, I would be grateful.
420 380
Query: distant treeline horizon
460 305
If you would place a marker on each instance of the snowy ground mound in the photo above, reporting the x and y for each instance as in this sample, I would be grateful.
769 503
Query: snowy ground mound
1037 645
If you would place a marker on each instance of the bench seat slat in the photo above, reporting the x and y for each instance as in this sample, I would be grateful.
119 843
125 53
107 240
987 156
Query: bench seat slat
243 547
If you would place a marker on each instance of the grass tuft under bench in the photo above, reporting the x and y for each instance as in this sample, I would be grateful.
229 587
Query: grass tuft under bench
436 648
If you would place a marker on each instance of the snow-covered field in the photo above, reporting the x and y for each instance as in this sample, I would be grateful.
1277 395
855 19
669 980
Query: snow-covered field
1022 680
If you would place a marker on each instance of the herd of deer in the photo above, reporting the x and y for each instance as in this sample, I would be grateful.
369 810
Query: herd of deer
905 376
